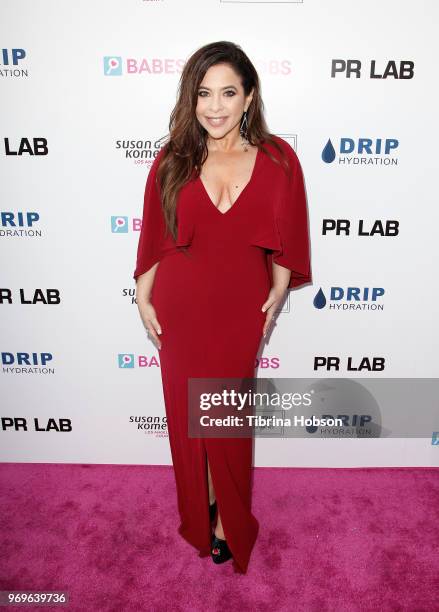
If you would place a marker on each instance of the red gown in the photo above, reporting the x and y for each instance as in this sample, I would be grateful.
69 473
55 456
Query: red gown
208 302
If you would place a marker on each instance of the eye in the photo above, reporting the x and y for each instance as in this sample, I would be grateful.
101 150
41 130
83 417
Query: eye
229 93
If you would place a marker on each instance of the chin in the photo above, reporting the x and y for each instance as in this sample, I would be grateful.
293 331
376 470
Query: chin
217 134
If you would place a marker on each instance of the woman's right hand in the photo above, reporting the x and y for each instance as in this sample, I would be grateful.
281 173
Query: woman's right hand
150 321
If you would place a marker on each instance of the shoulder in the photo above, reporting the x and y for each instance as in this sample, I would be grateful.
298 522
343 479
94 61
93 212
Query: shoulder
287 148
283 152
155 160
158 154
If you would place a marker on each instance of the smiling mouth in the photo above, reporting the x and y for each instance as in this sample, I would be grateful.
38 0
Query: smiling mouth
216 120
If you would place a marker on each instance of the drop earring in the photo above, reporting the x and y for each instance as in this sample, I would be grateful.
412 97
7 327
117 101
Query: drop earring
243 131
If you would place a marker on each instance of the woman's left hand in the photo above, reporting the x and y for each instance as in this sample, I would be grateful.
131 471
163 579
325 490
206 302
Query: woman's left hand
270 306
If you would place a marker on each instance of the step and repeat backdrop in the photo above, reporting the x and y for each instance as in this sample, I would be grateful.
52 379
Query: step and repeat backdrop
87 88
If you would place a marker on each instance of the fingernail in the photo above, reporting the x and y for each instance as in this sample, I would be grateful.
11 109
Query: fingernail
159 331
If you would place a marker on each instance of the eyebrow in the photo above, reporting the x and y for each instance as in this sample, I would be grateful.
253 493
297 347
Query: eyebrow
226 87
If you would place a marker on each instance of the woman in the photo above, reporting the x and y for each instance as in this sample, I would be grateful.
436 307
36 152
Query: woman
224 234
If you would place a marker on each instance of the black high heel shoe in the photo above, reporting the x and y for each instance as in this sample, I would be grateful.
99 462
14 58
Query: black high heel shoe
219 550
212 511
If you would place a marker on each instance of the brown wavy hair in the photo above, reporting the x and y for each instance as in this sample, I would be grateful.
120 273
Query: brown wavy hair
185 149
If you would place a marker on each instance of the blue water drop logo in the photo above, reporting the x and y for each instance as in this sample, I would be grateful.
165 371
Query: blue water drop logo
328 153
320 299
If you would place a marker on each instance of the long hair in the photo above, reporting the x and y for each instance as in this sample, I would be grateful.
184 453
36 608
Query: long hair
185 147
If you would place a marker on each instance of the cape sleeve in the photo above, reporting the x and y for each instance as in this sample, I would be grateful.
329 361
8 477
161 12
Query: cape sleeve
151 243
291 223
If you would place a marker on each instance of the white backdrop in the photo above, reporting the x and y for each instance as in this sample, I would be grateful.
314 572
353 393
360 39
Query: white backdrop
68 318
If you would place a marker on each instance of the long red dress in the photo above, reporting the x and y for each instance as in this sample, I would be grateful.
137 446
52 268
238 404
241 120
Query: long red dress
208 302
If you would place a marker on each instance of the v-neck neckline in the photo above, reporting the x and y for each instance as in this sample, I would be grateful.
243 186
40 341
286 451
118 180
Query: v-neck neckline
209 201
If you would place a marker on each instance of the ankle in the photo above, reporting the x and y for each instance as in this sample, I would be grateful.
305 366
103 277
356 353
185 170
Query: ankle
219 533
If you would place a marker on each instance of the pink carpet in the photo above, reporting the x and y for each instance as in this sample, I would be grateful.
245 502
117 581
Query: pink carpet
330 540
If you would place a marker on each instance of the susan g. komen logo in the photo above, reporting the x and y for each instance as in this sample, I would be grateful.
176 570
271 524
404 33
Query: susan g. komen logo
112 65
126 360
119 225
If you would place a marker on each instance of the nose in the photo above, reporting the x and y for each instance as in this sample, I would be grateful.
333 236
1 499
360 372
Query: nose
215 105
